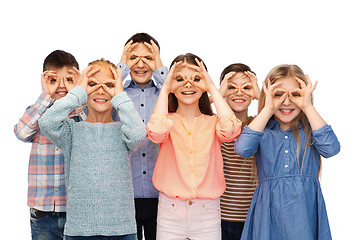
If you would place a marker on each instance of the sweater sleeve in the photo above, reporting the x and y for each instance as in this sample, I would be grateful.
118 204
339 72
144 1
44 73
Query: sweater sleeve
159 128
248 142
132 129
55 123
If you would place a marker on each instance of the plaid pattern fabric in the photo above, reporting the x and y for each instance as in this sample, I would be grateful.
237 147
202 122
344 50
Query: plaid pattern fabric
46 189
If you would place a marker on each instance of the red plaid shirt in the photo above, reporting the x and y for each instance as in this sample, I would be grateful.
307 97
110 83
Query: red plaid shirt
46 189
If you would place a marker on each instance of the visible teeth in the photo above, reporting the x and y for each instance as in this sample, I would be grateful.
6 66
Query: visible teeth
99 100
188 93
140 72
286 111
239 100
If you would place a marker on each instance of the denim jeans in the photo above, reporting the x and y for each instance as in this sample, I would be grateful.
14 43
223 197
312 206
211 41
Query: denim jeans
124 237
231 230
47 225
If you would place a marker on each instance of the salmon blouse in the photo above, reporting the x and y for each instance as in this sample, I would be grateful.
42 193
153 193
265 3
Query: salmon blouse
190 163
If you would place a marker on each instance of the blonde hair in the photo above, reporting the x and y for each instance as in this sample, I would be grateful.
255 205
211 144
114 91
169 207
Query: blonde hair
285 71
103 64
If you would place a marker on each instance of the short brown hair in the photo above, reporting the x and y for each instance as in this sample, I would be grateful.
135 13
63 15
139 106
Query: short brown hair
59 59
235 67
142 37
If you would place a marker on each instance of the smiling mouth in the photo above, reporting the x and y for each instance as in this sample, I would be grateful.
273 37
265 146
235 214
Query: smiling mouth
188 92
61 93
141 72
286 111
100 101
238 100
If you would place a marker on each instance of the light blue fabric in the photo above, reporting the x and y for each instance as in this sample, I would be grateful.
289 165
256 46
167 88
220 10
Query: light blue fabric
144 158
100 198
288 203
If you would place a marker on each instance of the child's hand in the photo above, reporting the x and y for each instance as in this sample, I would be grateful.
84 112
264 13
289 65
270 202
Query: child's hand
204 82
226 89
111 86
49 82
155 62
251 89
171 83
125 57
87 82
72 79
302 96
274 96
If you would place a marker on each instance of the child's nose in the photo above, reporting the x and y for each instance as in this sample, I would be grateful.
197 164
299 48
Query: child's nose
188 84
100 90
140 63
62 83
287 101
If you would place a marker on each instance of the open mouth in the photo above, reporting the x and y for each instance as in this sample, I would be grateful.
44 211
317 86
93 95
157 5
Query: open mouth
188 92
238 100
100 100
61 93
140 72
286 111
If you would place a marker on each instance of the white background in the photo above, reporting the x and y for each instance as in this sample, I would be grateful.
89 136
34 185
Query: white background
322 37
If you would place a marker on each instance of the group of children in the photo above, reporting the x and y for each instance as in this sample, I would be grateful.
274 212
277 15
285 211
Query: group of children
114 160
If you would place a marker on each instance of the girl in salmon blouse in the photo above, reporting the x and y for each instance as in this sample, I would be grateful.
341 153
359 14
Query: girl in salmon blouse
189 169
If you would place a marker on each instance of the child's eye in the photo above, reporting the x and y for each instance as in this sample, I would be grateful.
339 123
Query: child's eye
279 94
149 58
69 80
91 84
231 87
197 79
179 79
296 94
133 57
247 88
110 85
53 81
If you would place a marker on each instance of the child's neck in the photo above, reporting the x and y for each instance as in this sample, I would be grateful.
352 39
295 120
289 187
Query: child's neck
242 116
96 117
189 112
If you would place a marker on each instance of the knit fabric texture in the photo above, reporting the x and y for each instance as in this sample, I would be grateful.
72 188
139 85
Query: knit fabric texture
100 199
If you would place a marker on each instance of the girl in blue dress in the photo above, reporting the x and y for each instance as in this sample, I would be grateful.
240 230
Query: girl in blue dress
287 137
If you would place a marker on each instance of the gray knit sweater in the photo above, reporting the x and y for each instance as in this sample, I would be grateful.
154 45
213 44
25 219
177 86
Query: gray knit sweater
100 197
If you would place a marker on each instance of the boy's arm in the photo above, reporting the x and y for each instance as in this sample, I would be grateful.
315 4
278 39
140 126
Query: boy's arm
125 70
27 126
55 123
132 129
159 76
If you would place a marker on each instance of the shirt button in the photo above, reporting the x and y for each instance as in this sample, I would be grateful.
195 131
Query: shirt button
143 154
286 137
191 151
141 105
142 90
57 149
286 165
144 172
56 190
190 203
286 151
189 132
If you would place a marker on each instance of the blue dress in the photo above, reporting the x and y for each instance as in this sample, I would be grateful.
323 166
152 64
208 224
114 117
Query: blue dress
288 202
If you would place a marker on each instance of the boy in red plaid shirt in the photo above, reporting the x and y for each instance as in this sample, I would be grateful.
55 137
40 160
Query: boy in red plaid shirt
46 189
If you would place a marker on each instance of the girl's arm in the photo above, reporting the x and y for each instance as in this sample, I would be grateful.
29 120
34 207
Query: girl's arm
55 123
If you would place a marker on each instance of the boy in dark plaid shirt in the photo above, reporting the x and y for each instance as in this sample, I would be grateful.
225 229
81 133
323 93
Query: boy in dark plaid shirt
46 189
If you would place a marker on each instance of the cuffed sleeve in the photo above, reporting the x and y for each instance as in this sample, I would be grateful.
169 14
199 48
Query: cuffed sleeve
247 143
228 128
159 128
326 141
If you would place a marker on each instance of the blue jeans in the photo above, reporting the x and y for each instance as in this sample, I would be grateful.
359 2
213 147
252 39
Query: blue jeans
231 230
124 237
47 225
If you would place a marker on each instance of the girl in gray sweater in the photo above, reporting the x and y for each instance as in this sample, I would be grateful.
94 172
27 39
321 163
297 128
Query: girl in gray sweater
100 198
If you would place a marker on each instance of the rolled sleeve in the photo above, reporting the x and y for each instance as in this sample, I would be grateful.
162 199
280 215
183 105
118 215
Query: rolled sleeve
159 128
326 141
228 128
247 143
